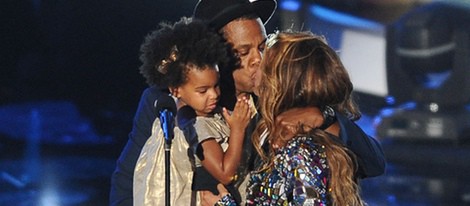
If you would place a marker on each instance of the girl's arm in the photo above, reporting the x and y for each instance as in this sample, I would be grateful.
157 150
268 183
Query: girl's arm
220 165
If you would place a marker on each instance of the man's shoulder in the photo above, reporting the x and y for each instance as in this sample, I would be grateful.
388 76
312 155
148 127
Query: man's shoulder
147 102
153 92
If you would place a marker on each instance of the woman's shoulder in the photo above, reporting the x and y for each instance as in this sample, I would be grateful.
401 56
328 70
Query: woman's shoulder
303 150
304 158
303 143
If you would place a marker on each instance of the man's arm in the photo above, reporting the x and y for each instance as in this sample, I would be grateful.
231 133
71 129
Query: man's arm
122 178
369 153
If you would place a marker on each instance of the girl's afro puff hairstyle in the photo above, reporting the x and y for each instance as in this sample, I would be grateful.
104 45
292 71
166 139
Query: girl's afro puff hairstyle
197 45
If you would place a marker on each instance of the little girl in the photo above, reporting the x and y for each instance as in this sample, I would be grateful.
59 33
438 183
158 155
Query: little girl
185 58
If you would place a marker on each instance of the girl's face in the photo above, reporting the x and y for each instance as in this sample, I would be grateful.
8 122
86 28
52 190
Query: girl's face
201 90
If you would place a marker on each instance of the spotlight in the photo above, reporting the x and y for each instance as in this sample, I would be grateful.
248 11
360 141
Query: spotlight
428 64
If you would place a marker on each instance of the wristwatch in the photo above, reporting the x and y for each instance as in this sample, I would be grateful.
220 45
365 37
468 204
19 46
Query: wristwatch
329 116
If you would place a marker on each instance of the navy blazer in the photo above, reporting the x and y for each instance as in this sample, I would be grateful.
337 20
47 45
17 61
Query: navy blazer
369 154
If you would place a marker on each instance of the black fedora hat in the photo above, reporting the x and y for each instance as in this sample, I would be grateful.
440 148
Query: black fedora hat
218 13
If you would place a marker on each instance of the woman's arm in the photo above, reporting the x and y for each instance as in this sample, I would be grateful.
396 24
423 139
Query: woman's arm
369 153
309 173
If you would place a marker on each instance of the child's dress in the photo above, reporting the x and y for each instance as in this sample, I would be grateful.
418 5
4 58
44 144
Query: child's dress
149 172
204 128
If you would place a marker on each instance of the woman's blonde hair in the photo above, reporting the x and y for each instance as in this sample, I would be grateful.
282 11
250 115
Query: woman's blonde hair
301 70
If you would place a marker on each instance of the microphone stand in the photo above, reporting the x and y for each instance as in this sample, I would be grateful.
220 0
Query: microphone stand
167 122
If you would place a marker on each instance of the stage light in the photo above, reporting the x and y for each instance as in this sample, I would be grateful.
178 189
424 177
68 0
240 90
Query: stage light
428 64
290 5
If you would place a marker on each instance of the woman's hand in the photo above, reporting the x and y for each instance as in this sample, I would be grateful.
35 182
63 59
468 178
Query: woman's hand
290 120
209 199
310 117
307 117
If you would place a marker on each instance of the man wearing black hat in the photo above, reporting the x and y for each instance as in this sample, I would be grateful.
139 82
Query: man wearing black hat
241 22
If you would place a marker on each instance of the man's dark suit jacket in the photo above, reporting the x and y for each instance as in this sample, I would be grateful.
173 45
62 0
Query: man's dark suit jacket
369 154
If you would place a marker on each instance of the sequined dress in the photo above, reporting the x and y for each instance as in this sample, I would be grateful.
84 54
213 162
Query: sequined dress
299 177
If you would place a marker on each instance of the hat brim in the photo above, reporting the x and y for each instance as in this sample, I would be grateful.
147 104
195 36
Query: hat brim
264 9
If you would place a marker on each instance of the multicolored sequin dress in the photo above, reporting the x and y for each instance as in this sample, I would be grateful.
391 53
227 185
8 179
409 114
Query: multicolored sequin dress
299 177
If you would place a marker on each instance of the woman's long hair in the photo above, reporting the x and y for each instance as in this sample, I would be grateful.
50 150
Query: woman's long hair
301 70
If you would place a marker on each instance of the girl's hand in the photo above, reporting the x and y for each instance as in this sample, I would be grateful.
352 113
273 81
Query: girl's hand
240 116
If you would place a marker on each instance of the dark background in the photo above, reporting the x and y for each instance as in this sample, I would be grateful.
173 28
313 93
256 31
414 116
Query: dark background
69 87
80 51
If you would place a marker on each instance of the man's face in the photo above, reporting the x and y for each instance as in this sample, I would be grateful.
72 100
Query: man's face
248 37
